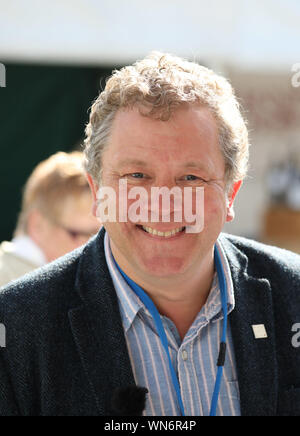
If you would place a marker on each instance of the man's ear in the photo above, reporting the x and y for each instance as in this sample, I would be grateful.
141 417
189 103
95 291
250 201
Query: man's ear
231 197
94 189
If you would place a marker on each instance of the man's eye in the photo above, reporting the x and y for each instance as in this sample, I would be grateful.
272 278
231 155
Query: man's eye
191 177
137 175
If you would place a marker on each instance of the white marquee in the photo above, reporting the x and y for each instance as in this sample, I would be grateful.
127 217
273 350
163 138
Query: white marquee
254 34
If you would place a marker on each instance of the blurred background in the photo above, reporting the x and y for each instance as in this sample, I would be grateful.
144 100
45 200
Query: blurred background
57 54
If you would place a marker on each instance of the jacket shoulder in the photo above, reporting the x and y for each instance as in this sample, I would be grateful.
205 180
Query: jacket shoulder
45 288
11 265
263 258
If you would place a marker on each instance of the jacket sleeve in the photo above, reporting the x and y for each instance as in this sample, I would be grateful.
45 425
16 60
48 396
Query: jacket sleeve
13 362
8 405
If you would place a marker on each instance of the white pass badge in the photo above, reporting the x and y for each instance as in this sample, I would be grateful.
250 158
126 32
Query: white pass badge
259 331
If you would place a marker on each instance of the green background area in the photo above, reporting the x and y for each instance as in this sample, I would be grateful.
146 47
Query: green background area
43 109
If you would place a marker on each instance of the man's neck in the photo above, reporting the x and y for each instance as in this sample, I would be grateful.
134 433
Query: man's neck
181 297
182 302
182 313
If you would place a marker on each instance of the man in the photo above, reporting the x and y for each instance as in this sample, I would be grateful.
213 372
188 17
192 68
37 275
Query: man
132 323
55 217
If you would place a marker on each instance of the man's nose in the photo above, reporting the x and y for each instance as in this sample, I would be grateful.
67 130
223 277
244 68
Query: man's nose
166 201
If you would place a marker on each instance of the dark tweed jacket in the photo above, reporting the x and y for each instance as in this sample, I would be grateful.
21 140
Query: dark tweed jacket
66 352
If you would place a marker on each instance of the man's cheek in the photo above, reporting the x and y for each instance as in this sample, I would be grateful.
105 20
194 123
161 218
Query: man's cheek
194 207
214 209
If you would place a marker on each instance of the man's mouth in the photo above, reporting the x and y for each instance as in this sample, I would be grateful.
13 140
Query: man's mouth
167 234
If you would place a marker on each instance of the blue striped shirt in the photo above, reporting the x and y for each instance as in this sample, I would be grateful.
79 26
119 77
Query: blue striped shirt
194 358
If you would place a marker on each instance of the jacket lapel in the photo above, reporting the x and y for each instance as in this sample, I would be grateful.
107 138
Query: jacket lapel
255 358
97 327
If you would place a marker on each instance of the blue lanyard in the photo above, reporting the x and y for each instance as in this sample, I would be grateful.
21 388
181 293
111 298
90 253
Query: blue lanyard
162 334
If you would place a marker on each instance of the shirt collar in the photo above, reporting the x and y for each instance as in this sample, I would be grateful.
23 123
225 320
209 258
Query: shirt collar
130 304
228 276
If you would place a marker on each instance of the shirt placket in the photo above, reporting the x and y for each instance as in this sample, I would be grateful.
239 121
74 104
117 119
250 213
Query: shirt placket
188 374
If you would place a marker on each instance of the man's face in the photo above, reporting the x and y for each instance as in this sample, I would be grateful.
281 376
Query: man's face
182 152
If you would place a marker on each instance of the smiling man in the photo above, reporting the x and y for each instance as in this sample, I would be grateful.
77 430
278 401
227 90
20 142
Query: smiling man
150 318
177 270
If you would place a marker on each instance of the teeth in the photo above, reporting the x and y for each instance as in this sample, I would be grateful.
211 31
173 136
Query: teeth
164 234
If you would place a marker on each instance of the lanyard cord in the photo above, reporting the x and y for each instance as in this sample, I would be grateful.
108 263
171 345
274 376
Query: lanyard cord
162 334
222 353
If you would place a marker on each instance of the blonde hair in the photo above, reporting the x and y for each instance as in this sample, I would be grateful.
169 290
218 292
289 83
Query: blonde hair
158 85
52 181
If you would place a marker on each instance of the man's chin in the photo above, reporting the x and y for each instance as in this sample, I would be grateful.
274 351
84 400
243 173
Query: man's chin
164 268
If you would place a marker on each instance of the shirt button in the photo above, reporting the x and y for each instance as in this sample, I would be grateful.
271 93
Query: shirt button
184 355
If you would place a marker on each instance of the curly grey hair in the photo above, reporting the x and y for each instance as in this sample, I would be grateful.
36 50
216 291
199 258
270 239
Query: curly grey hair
158 85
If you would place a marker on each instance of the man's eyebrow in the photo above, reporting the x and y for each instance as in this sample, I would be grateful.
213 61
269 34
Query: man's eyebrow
136 162
196 165
144 164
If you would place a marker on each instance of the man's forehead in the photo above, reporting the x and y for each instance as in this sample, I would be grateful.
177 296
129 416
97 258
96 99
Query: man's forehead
188 116
189 140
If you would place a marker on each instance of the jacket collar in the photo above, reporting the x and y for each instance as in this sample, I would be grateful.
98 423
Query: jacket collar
255 358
